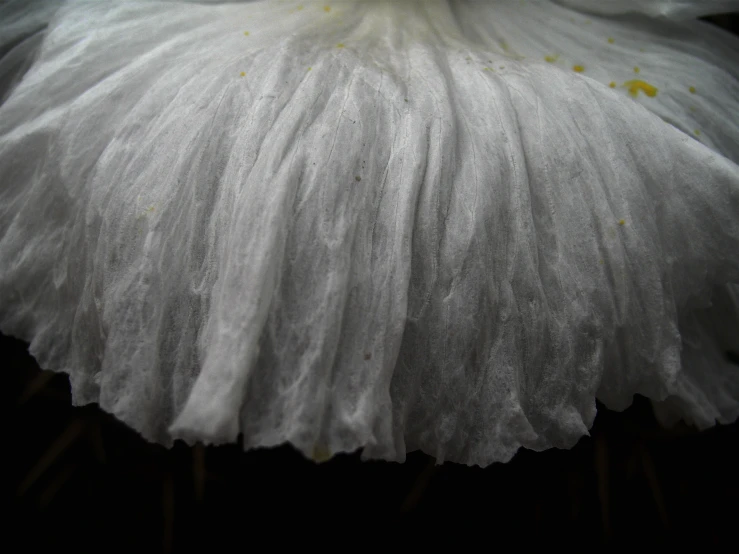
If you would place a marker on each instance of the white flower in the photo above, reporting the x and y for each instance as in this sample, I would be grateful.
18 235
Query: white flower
389 225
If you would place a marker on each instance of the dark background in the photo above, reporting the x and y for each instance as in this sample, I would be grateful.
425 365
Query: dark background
77 479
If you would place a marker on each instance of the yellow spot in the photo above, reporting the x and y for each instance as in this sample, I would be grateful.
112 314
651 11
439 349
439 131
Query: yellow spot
326 9
310 68
642 50
692 108
243 74
637 70
299 8
601 262
636 86
357 178
578 68
340 45
486 69
550 59
504 45
611 40
502 67
612 84
622 222
246 33
692 90
321 454
588 22
697 133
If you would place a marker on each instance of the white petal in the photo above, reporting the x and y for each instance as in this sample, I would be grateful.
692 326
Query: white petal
677 9
23 17
21 26
691 68
377 244
707 389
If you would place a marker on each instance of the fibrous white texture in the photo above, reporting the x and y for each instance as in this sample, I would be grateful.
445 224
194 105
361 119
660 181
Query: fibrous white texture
390 225
21 26
677 9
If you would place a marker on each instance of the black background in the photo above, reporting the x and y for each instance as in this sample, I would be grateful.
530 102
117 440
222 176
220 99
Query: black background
79 479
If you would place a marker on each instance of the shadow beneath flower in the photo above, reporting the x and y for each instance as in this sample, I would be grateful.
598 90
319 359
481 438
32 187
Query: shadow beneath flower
79 477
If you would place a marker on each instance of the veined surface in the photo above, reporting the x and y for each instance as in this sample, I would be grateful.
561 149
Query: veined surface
390 225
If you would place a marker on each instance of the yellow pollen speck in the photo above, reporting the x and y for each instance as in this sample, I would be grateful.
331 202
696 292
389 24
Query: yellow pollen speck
601 262
697 133
636 86
502 67
612 84
550 59
578 68
321 454
326 9
486 69
150 209
637 70
340 45
611 40
642 50
299 8
243 74
246 33
622 222
692 90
